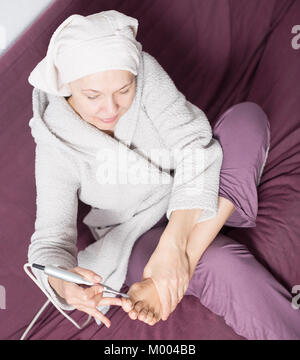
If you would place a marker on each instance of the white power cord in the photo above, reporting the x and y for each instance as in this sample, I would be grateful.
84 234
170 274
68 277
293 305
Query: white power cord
54 302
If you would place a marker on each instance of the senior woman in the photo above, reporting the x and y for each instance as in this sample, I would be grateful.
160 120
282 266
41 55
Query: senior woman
97 95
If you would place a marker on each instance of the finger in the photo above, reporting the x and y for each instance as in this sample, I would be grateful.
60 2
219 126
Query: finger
165 299
185 288
89 297
93 290
97 314
99 300
88 274
111 301
175 296
75 294
166 307
181 291
174 301
180 296
92 302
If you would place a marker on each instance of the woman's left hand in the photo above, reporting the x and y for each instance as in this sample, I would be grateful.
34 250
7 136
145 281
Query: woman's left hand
169 269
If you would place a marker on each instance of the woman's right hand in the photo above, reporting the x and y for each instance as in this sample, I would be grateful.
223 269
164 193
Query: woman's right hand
85 300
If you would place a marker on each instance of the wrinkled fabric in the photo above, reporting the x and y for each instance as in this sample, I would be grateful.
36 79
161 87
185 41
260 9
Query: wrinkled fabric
228 280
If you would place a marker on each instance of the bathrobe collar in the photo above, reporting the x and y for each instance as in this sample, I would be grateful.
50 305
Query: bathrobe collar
55 123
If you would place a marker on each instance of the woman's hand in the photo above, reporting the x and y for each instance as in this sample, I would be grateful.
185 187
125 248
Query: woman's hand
169 269
82 299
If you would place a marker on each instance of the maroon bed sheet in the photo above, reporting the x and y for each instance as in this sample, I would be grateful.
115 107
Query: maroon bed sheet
219 53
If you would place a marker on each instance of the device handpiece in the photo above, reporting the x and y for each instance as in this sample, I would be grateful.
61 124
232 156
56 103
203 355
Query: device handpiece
72 277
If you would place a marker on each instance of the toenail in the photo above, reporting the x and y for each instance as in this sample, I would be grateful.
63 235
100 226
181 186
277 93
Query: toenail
133 315
129 305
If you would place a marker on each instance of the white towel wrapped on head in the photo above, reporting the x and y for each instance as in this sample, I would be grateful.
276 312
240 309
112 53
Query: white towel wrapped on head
84 45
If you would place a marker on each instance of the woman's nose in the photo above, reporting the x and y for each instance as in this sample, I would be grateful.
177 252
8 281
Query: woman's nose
110 107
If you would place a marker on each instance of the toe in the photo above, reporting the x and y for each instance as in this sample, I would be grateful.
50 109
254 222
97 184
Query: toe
153 322
150 316
138 306
143 315
157 317
133 314
135 310
127 304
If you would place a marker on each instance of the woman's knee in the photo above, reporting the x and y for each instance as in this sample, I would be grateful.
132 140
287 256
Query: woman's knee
244 134
245 117
253 114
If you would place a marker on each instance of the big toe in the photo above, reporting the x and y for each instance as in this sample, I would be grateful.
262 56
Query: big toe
127 304
138 307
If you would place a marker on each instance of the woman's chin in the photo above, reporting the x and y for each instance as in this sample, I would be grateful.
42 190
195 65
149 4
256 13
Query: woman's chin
104 127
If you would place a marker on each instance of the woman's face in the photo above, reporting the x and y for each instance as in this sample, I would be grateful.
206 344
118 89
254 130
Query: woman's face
103 95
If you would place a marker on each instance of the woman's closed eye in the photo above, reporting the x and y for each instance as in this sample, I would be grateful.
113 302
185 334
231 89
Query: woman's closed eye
95 97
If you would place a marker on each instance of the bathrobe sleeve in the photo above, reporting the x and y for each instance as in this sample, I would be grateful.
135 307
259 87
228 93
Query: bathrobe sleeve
55 236
187 134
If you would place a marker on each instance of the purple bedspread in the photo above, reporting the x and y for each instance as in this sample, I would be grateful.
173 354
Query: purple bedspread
219 53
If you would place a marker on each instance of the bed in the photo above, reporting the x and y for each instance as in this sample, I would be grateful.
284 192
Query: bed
218 52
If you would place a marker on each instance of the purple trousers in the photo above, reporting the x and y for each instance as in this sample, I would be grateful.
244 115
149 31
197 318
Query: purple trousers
228 280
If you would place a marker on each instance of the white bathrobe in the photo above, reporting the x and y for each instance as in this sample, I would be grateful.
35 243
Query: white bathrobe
71 163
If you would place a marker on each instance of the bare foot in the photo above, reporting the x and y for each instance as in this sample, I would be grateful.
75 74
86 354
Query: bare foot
144 302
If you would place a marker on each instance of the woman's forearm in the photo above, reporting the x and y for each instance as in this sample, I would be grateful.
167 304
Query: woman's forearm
205 232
